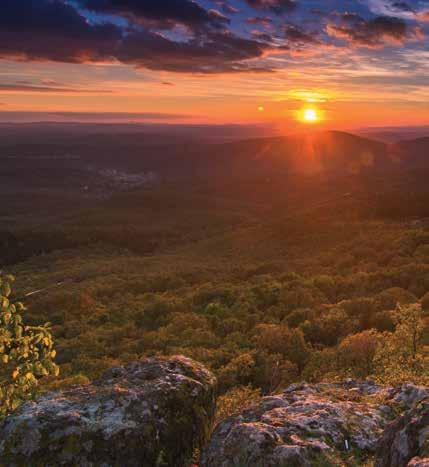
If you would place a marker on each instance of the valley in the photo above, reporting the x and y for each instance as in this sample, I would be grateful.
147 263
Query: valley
223 268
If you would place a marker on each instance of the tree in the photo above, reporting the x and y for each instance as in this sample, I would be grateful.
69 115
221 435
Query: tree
26 352
334 325
389 298
279 339
409 328
425 302
400 358
273 372
356 353
321 366
238 372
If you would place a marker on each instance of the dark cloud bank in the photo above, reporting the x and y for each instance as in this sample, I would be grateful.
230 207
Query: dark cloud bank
147 35
54 30
371 33
276 6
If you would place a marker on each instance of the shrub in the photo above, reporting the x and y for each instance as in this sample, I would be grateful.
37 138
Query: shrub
401 357
356 353
235 400
26 352
425 302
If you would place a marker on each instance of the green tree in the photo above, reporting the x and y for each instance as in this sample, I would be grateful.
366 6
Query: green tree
279 339
409 328
356 353
400 358
322 366
26 352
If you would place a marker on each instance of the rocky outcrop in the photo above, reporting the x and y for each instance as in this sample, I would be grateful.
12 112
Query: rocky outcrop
159 411
418 462
150 413
405 442
322 424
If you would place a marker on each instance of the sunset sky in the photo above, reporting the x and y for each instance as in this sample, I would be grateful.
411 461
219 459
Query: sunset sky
354 62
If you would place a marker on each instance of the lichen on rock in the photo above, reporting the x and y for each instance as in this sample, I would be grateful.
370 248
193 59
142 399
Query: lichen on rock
405 441
307 425
159 411
152 413
418 462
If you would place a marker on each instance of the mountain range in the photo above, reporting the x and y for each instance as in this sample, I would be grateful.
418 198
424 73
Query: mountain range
311 153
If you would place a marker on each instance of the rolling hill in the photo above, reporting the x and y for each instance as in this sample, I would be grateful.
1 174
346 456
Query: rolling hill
414 154
312 153
331 151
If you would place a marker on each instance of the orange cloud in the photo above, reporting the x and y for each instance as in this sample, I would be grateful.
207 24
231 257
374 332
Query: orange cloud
423 16
375 32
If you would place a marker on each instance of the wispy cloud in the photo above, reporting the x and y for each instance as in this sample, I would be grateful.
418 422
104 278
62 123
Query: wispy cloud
26 88
13 116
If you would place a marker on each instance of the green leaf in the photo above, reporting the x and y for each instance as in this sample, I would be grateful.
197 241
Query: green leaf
5 289
30 348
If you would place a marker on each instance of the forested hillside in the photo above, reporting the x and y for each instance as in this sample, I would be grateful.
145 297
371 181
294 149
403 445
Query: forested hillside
266 281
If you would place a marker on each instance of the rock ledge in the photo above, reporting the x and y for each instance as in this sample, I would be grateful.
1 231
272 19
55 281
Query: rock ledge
149 413
308 425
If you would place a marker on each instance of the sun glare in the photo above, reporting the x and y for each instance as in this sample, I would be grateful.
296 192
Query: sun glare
310 116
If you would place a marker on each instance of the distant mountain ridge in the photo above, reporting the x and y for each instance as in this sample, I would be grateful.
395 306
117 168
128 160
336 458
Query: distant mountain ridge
333 152
414 153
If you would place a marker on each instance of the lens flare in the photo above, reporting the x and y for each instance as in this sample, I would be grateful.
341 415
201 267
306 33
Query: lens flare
310 115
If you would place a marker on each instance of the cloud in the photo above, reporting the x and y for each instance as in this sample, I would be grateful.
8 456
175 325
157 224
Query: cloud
52 30
265 21
297 35
160 13
227 8
35 88
401 6
205 42
276 6
216 52
423 16
120 115
405 9
262 36
375 32
96 117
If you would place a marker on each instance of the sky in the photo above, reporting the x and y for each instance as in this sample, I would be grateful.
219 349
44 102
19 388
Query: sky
353 63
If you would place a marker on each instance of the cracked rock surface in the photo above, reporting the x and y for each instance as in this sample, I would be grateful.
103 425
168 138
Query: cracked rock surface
405 441
154 412
306 425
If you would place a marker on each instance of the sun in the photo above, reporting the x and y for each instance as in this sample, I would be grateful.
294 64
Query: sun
310 116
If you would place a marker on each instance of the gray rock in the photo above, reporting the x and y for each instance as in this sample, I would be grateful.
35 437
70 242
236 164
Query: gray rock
406 438
150 413
409 395
419 462
304 426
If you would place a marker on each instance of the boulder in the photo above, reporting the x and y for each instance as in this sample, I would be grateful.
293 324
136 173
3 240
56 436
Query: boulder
418 462
322 424
405 441
408 395
152 413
